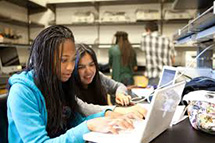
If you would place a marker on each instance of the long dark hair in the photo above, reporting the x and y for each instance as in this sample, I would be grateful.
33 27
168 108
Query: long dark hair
99 95
44 61
127 52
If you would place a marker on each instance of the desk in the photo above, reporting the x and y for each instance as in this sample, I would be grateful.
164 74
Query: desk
184 133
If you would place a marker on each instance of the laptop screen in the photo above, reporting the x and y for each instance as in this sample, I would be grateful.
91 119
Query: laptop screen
167 78
9 56
9 60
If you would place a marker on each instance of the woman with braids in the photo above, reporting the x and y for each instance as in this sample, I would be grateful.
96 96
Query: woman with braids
41 102
92 86
122 59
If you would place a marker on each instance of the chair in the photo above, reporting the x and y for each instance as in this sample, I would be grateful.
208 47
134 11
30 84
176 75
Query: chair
3 119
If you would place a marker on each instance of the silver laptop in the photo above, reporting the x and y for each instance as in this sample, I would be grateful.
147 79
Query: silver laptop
158 119
168 77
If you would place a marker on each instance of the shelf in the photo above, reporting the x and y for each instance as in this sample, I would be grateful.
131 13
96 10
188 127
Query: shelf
142 22
14 45
36 25
63 3
199 29
12 21
176 20
125 23
79 24
109 45
201 32
75 3
205 35
194 4
35 8
32 6
107 23
135 45
9 20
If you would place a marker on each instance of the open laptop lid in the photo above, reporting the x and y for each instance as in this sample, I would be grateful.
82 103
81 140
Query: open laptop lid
9 60
168 76
158 119
162 110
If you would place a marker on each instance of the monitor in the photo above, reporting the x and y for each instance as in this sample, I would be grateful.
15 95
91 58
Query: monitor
168 76
9 60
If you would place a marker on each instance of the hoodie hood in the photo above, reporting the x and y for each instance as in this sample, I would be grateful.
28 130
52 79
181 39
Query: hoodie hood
26 78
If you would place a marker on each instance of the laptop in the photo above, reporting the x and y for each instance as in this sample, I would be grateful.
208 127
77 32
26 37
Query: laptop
158 119
9 60
168 77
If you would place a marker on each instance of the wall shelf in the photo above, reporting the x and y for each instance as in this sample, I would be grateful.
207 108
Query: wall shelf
201 32
125 23
169 21
106 23
79 24
32 6
109 45
61 3
176 20
36 25
195 29
9 20
14 45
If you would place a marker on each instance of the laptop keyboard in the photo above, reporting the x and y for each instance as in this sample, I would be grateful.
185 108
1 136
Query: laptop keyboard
138 124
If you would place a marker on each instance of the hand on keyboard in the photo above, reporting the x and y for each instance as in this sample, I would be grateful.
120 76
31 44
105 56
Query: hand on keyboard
136 123
106 124
136 110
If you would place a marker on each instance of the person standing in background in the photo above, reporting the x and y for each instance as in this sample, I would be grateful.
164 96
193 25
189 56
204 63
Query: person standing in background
122 59
159 51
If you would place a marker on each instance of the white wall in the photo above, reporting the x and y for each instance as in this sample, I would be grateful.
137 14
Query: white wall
90 34
104 33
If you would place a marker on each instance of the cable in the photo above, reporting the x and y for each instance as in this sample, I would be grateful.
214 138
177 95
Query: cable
194 60
182 73
140 99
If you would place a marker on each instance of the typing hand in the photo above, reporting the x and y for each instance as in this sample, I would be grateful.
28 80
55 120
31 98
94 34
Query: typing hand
105 124
122 99
137 110
115 115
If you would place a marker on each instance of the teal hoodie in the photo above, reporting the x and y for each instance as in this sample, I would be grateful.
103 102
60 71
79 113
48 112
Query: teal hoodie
27 115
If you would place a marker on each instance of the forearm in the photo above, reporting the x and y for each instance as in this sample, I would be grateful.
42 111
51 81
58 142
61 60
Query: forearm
89 109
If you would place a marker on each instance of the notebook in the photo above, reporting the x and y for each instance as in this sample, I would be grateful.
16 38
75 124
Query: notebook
158 119
167 78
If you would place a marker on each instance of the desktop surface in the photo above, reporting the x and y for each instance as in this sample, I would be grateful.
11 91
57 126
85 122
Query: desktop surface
184 133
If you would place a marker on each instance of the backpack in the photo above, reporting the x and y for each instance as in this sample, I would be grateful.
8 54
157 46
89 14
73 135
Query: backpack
201 110
198 83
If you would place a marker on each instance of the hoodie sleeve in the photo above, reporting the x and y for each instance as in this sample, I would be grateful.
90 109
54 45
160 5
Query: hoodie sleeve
27 119
89 109
113 87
